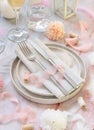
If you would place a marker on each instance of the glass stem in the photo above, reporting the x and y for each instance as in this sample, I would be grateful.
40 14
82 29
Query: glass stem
17 19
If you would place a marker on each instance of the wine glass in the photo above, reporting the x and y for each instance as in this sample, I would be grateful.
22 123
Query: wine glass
17 34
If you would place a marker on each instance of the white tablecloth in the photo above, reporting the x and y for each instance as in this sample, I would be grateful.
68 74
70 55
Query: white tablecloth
7 57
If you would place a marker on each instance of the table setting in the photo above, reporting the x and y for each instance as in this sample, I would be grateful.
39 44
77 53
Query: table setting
46 65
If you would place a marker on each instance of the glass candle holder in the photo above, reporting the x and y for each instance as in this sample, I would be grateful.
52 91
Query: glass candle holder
38 14
65 8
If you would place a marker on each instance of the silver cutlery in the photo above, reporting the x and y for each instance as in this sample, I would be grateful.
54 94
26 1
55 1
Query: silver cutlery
64 86
21 53
74 79
29 53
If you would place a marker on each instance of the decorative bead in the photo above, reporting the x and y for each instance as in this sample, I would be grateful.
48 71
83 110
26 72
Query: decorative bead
81 102
28 127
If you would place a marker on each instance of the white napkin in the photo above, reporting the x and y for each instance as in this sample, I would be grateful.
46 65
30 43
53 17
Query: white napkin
69 74
48 84
62 84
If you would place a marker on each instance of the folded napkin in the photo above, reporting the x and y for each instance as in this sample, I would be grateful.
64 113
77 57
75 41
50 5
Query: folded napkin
47 83
62 84
49 55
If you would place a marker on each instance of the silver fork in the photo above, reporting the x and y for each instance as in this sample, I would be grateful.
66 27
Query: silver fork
30 56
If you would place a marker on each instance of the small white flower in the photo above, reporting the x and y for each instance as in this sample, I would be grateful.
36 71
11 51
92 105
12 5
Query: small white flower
54 120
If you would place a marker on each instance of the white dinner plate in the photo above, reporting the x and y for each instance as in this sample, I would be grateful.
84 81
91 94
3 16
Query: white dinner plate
41 98
67 56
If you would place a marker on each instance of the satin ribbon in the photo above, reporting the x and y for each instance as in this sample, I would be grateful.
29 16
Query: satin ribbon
38 81
85 41
87 11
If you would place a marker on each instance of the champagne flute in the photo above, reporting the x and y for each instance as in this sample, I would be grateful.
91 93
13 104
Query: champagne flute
17 34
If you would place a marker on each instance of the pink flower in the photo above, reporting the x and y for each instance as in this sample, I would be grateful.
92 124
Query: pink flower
55 31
